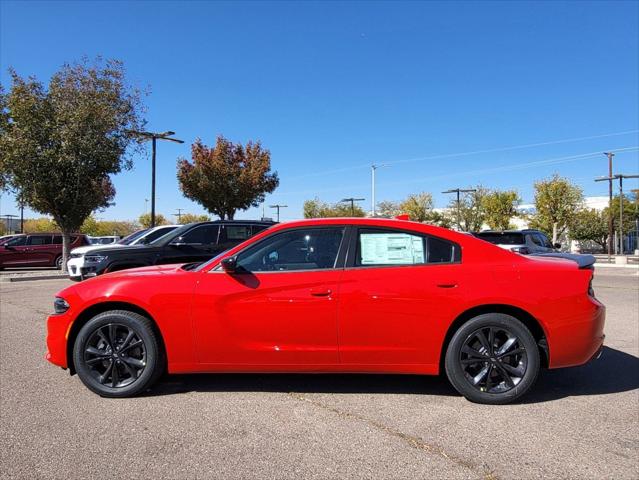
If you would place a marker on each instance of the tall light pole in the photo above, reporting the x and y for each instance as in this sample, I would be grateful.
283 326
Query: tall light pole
610 220
278 206
179 214
620 177
458 191
153 136
352 202
373 168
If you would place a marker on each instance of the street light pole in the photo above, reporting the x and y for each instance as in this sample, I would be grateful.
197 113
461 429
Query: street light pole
610 220
352 202
277 207
458 191
373 168
154 137
620 177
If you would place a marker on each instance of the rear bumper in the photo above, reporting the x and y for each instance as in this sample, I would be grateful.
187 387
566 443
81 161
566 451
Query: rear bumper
580 337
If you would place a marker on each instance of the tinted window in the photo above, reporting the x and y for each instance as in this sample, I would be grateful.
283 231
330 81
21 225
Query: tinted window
157 234
544 240
303 249
385 247
17 242
536 240
135 235
259 228
442 251
39 240
57 239
202 235
236 232
502 238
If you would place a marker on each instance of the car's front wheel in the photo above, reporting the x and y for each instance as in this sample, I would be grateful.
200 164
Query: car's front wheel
493 359
117 354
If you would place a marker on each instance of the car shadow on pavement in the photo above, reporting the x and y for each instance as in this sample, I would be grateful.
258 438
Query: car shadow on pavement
614 372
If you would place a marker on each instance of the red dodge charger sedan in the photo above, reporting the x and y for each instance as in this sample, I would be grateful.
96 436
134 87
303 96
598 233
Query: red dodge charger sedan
335 295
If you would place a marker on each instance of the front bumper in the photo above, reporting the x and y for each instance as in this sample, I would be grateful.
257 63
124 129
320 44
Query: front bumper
79 270
58 329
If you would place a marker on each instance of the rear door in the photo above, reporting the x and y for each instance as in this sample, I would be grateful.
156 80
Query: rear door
397 295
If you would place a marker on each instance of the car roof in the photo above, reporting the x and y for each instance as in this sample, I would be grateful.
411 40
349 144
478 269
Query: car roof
525 230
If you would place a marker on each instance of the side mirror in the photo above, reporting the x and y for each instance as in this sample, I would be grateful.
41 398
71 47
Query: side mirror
8 247
229 265
556 245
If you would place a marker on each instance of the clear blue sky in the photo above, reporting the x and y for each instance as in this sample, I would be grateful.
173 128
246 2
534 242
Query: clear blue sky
331 87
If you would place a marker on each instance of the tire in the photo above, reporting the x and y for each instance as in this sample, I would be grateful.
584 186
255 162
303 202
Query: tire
58 262
130 368
497 373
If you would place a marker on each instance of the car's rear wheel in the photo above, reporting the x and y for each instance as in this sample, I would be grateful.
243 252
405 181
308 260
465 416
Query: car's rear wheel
58 262
493 359
117 354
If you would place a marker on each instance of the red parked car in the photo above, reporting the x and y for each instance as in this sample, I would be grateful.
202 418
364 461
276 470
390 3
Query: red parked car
36 250
335 295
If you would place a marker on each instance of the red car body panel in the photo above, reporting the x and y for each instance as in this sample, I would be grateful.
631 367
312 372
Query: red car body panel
366 319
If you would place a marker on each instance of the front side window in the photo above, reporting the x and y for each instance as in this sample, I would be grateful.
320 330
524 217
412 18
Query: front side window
17 242
387 247
536 240
300 249
236 232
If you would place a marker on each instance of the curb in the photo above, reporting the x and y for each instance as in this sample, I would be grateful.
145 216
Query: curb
32 278
614 265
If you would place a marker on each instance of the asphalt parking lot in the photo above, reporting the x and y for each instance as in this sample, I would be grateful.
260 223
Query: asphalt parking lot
581 422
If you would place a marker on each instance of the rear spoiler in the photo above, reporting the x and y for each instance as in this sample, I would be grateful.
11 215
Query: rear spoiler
584 261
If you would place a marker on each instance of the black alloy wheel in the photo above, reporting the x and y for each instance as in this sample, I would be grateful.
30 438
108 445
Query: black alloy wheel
492 358
118 354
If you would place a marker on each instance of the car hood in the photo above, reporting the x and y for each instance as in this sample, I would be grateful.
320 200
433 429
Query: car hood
91 248
144 271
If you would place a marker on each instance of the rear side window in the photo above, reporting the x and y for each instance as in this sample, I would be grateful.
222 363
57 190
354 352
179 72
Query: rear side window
57 239
386 247
202 235
39 240
237 232
502 238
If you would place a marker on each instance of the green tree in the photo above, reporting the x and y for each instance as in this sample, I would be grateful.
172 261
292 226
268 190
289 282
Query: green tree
317 209
499 208
145 220
469 215
62 143
441 219
39 225
191 218
388 208
557 201
419 207
227 177
589 225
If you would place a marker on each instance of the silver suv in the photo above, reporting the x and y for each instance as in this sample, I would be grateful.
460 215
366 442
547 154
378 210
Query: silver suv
520 241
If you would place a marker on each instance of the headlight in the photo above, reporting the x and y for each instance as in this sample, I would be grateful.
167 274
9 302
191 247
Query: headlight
94 258
60 305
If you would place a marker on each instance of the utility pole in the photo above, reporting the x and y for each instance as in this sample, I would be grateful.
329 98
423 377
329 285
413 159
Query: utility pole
352 202
278 206
610 220
458 191
178 214
620 177
373 168
21 217
154 137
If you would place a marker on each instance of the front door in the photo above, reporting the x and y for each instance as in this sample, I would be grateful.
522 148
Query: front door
279 308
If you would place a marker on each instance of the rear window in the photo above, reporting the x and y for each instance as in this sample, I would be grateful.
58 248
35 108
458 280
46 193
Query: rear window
502 238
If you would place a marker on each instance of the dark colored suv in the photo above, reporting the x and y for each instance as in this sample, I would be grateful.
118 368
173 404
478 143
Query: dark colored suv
195 242
526 241
36 250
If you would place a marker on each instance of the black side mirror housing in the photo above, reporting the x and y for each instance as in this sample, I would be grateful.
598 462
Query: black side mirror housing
229 265
556 245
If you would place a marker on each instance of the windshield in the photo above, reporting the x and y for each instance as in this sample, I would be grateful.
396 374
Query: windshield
203 265
499 238
130 238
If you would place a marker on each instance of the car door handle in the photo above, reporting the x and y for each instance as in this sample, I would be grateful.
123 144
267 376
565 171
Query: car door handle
321 293
447 285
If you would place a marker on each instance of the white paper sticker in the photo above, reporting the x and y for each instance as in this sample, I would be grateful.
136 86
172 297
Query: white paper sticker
391 249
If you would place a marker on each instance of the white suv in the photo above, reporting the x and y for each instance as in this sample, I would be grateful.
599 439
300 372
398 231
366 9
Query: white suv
75 265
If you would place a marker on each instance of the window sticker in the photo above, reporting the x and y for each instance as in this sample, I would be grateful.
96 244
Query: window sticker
391 249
